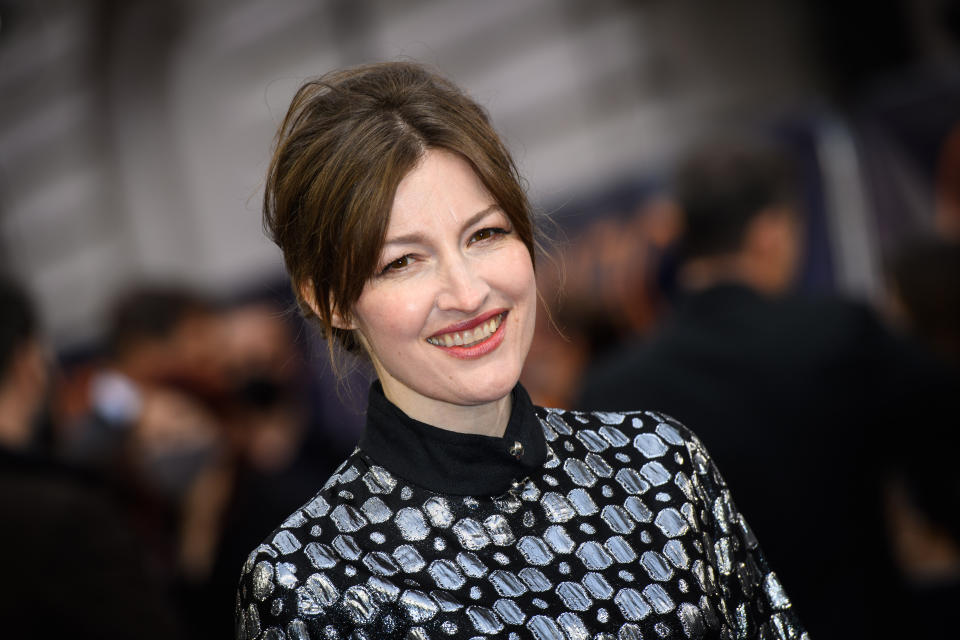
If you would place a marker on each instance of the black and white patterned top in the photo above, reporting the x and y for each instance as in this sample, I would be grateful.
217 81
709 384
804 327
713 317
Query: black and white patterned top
586 526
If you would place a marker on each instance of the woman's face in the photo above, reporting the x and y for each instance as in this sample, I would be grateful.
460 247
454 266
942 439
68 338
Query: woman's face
449 314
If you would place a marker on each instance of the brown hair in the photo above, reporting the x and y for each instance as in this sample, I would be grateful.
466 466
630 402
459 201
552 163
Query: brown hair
346 142
723 184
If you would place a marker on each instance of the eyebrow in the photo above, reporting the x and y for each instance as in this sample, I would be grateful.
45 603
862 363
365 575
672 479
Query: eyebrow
418 237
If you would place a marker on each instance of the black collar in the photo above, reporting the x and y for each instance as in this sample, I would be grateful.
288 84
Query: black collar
450 462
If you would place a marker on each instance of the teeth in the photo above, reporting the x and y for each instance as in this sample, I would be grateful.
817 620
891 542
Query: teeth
470 336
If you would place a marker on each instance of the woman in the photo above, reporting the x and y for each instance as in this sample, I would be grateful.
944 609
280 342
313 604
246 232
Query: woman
465 510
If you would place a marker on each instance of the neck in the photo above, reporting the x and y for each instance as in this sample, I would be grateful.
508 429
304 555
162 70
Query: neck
488 419
703 273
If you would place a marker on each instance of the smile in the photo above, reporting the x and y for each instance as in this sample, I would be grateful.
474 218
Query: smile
469 337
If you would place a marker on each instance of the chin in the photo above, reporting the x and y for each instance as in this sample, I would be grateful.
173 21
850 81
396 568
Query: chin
492 388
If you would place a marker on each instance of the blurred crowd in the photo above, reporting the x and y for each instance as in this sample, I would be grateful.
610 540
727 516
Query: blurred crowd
137 475
193 430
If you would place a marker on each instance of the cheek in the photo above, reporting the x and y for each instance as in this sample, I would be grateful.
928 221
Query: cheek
516 277
386 316
528 292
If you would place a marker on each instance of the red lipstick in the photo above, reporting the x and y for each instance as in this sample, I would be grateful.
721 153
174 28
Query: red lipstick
468 324
469 352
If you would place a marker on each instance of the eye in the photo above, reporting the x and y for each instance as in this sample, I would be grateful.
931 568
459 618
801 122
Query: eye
398 264
487 233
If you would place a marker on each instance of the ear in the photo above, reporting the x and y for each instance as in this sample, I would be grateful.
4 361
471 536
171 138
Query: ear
338 321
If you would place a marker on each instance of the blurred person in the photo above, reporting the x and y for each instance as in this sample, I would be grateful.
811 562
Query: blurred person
23 369
71 567
465 509
163 352
806 404
153 427
595 294
925 294
279 453
924 301
198 412
947 187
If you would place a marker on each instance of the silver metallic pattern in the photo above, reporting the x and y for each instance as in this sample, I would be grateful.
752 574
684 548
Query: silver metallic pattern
535 551
574 596
598 586
346 547
506 583
484 620
620 549
285 542
287 574
677 555
627 533
446 575
408 558
359 605
775 594
418 606
632 604
509 612
471 534
375 510
262 580
557 538
412 524
534 579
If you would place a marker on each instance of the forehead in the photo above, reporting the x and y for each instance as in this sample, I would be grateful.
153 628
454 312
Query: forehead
441 190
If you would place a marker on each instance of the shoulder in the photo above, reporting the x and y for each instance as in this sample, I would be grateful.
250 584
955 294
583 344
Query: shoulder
615 427
306 565
824 316
660 448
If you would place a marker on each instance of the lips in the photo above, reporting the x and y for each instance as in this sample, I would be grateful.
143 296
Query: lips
469 333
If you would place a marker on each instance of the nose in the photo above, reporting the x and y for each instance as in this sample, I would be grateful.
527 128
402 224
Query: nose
462 288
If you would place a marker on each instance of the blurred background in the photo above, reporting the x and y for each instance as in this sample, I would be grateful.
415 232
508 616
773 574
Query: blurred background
134 138
134 135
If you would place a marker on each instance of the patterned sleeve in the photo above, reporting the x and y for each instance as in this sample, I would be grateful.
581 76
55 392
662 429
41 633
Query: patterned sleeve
751 599
262 609
295 586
